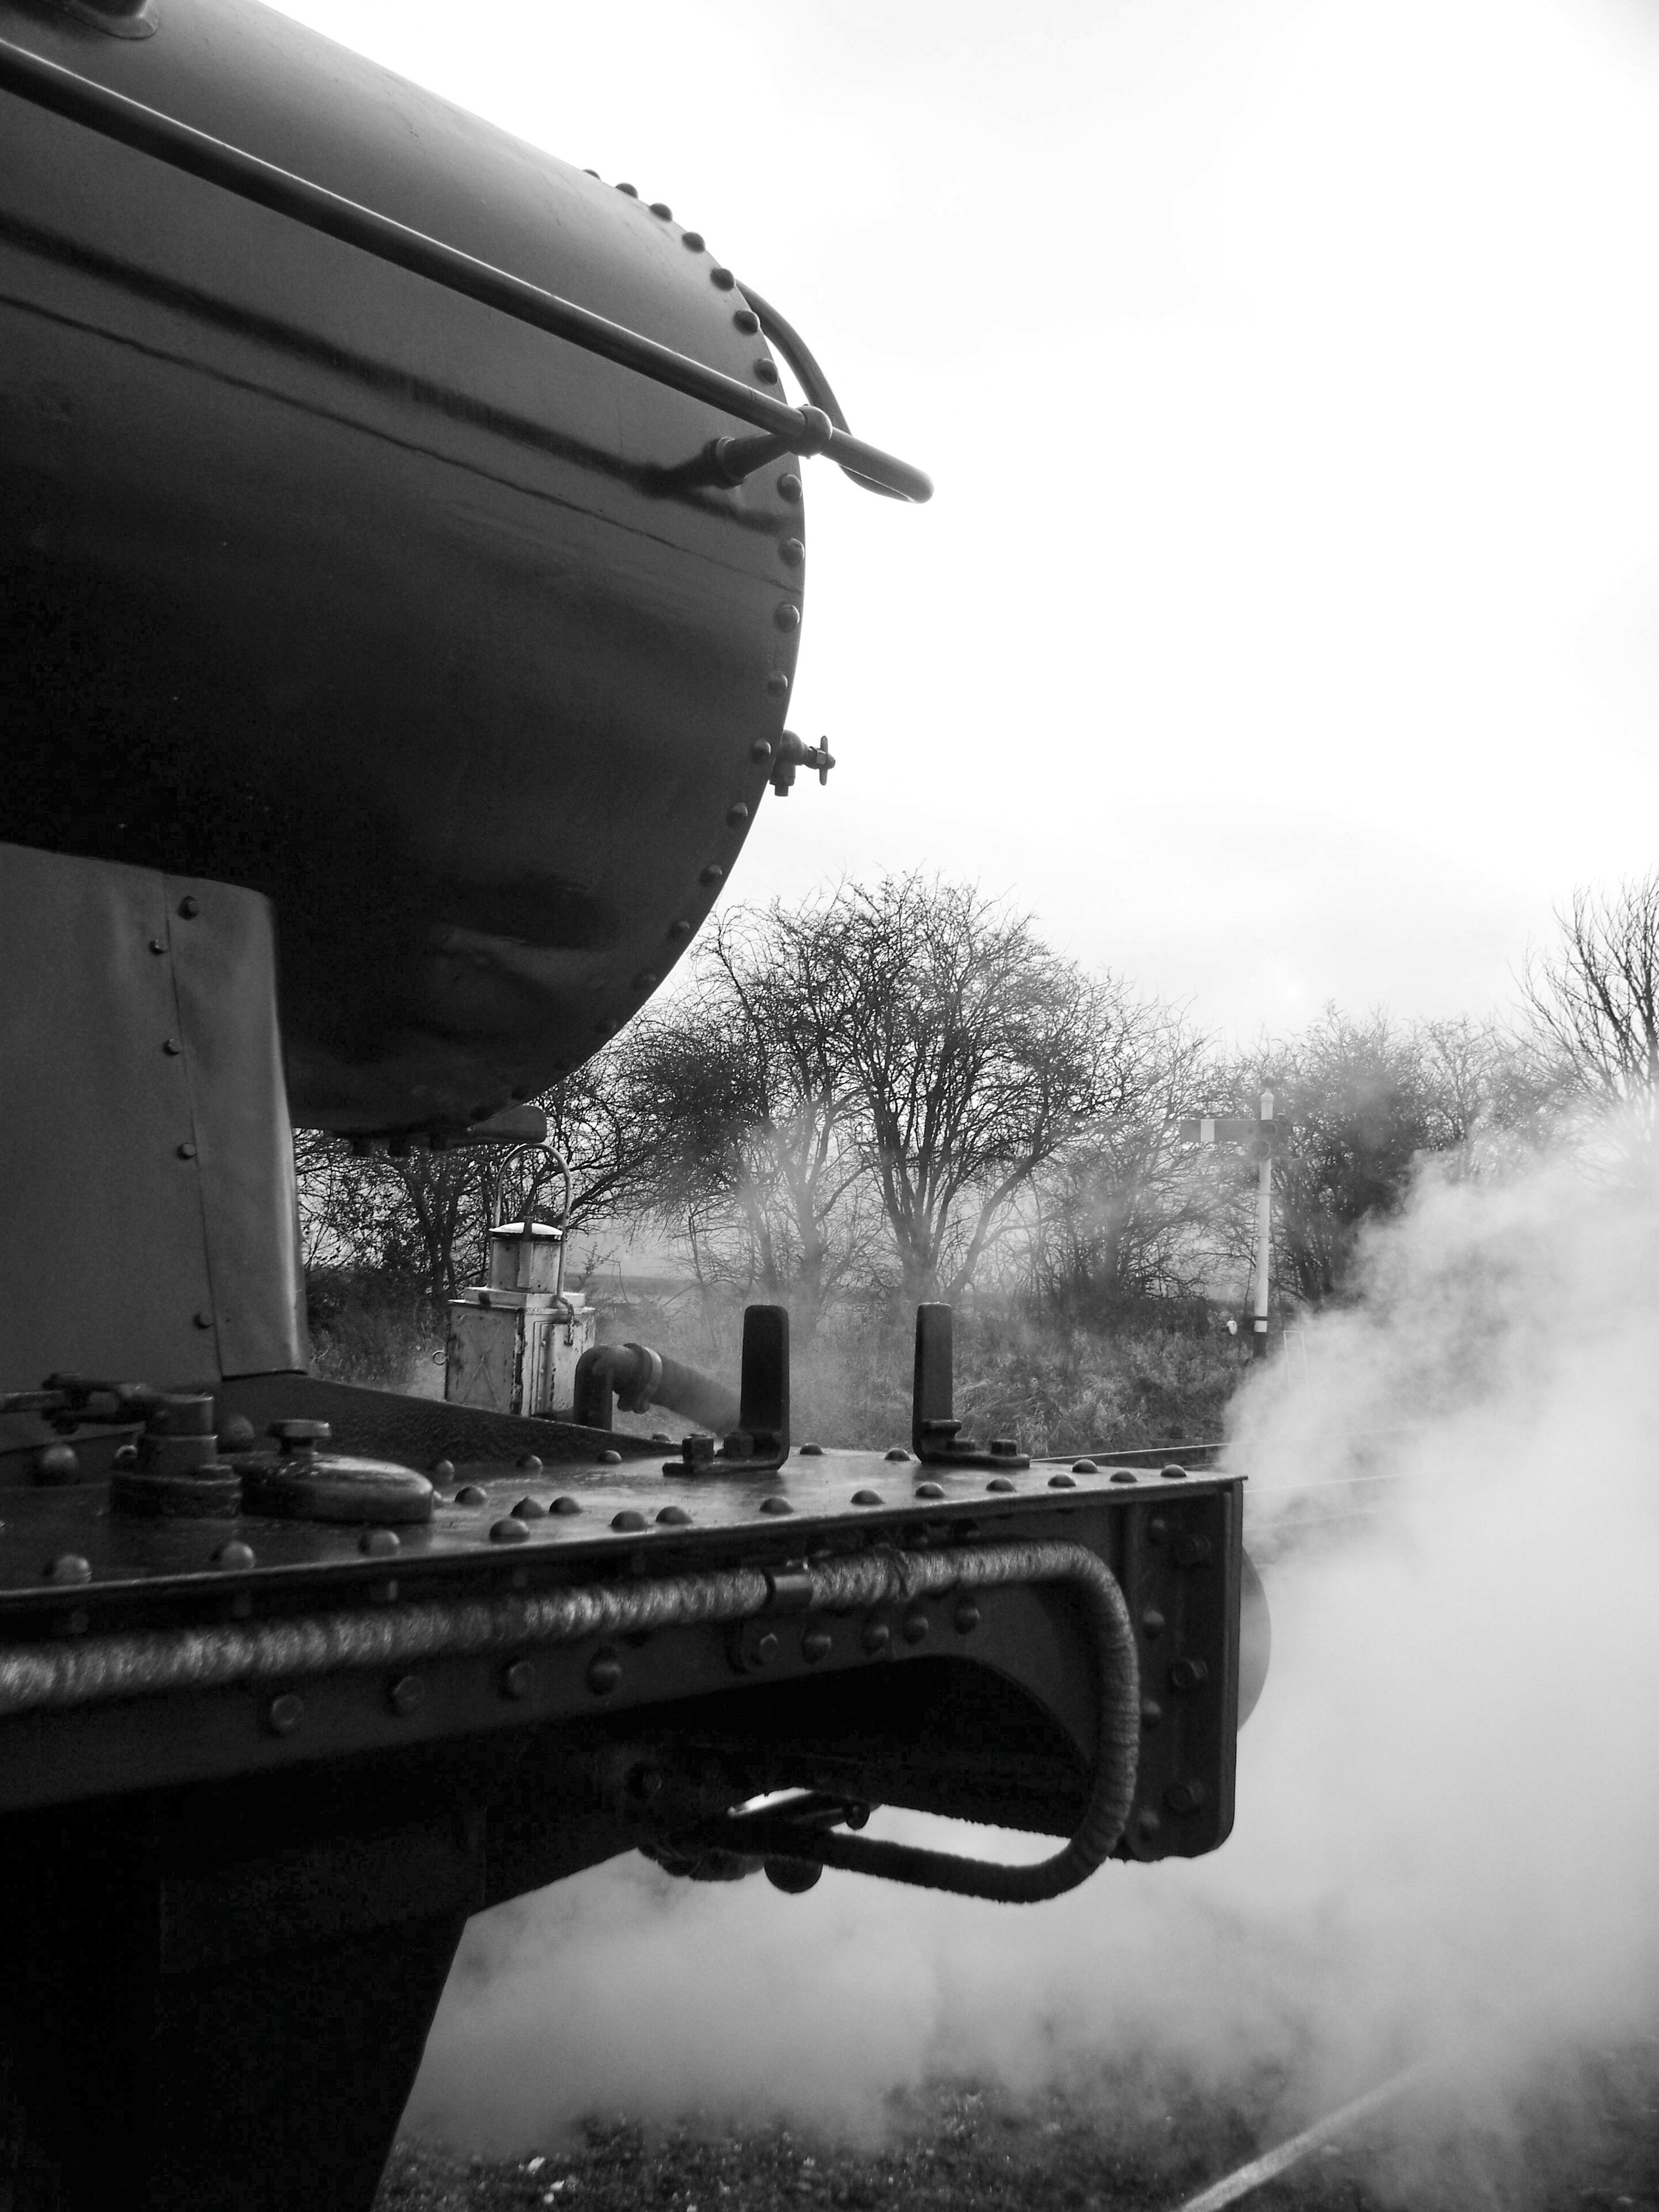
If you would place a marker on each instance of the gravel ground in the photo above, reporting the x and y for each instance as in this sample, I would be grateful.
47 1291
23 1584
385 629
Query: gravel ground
1589 2143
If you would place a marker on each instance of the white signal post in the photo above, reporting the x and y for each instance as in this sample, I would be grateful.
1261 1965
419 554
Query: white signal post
1264 1226
1239 1129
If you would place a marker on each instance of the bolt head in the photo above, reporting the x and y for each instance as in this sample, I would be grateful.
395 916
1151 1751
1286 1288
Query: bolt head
56 1463
189 908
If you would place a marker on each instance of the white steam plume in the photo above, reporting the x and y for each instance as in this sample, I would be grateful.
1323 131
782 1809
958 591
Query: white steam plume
1448 1825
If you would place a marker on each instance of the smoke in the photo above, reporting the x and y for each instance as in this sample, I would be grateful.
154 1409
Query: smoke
1448 1799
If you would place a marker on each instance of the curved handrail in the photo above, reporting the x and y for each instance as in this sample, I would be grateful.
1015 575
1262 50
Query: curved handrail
49 84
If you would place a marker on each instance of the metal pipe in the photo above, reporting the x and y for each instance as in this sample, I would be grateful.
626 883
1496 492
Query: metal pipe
100 1670
49 84
638 1377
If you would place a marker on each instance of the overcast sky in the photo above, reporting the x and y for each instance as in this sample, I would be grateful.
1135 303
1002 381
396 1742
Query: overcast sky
1286 626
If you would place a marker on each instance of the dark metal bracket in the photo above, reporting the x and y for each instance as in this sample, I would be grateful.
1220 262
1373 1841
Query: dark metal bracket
936 1434
759 1443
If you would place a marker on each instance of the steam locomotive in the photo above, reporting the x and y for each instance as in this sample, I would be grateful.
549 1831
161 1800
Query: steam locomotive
402 542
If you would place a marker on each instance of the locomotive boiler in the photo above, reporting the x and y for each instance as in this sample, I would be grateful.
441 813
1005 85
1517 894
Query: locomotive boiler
401 572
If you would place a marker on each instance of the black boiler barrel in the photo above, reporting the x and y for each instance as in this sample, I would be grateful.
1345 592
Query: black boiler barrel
318 578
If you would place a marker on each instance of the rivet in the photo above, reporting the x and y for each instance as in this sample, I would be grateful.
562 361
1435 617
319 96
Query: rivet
632 190
610 1458
530 1508
877 1635
678 931
1125 1475
1184 1796
470 1494
747 321
1189 1674
792 552
1150 1712
1147 1822
603 1673
815 1644
661 208
1190 1550
787 616
518 1679
914 1626
284 1713
379 1543
760 750
564 1506
765 1649
629 1520
56 1463
189 907
1062 1482
158 944
125 1456
866 1497
529 1462
171 1047
187 1151
1151 1622
692 240
736 815
508 1532
1000 1482
776 1505
721 279
594 174
898 1454
1157 1529
406 1694
69 1567
789 488
713 873
1084 1467
644 981
674 1517
766 371
203 1318
930 1490
1173 1474
812 1451
777 684
966 1616
443 1470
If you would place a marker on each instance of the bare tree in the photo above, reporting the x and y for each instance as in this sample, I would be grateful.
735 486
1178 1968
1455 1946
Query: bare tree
976 1054
1592 1006
1125 1210
747 1083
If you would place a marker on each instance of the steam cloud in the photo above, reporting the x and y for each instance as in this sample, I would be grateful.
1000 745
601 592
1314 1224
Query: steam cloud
1447 1827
